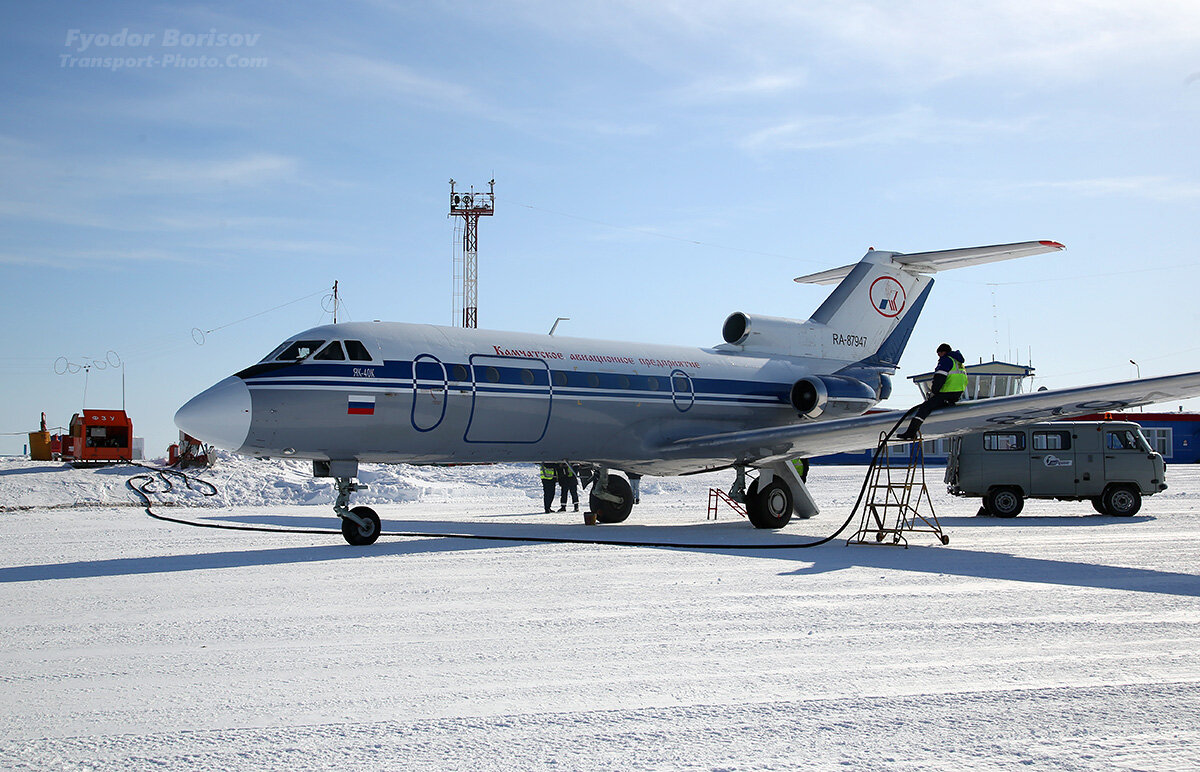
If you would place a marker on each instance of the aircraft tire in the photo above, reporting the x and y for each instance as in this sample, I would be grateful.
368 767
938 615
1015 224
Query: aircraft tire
771 507
1122 500
1004 501
354 535
611 511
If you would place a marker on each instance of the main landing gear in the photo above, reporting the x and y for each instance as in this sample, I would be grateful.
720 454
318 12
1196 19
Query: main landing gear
611 498
360 526
773 497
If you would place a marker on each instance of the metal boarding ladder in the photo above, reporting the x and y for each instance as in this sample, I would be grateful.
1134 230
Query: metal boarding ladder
898 500
715 497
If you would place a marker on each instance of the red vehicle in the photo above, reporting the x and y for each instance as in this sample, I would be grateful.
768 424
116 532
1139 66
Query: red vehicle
99 437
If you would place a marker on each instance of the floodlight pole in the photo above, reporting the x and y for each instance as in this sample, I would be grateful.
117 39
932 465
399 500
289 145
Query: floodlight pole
471 206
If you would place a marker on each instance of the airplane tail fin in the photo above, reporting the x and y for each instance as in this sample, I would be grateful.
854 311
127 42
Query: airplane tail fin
870 315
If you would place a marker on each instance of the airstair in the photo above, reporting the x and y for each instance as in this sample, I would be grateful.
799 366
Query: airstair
898 501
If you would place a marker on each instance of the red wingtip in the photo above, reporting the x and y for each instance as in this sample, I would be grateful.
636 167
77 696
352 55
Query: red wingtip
1054 244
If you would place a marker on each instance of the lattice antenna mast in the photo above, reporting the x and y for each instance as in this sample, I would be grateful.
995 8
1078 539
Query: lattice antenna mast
470 206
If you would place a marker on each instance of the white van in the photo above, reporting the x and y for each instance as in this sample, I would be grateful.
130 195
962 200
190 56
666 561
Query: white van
1108 462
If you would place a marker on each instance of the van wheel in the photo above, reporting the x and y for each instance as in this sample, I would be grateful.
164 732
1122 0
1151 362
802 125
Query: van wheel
1098 505
1004 502
1122 501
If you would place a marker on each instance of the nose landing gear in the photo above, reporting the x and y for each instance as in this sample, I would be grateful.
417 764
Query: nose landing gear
360 526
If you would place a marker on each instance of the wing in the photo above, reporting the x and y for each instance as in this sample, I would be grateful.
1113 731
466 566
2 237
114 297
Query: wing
813 438
932 262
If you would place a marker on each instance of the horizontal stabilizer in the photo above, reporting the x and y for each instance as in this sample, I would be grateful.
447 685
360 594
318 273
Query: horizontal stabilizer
932 262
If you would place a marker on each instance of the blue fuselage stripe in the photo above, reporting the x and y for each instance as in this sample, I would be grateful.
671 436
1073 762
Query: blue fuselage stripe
393 376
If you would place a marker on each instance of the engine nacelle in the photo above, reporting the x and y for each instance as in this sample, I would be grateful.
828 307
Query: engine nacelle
768 333
832 396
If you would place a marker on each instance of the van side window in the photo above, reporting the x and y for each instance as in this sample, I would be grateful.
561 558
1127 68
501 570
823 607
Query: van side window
1051 440
298 350
1120 440
357 351
1004 441
331 353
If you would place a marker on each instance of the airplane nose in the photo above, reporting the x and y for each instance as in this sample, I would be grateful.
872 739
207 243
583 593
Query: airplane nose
219 415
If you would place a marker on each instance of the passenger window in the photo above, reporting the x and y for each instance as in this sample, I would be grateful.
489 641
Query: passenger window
460 373
623 381
1004 441
560 378
1052 440
652 383
331 353
593 380
357 351
297 350
493 375
527 377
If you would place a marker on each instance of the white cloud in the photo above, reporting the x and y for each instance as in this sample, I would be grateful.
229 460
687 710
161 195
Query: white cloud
247 170
915 124
382 78
83 192
1154 187
915 45
98 258
766 84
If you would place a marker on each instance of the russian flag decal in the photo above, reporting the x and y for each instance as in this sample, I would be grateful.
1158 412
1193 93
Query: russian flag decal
360 404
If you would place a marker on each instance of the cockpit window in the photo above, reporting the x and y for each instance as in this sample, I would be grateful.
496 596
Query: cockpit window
274 352
357 351
331 353
299 349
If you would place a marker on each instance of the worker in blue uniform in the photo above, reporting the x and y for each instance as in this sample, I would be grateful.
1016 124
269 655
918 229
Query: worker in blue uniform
949 383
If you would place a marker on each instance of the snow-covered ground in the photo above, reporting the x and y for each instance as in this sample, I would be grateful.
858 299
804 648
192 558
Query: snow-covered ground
1060 639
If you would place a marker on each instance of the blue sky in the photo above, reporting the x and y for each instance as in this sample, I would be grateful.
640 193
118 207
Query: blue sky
658 165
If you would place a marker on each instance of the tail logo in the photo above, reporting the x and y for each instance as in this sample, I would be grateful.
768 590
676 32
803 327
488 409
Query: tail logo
887 296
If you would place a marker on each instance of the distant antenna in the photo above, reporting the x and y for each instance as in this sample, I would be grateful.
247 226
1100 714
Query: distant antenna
335 301
470 206
995 324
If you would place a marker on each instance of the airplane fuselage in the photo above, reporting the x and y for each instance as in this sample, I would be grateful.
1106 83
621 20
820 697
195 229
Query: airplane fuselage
433 394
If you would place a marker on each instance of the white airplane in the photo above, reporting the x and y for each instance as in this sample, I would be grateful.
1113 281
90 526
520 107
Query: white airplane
776 390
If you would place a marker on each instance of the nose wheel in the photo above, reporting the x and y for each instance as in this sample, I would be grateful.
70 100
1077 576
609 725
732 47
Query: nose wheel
360 526
364 532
